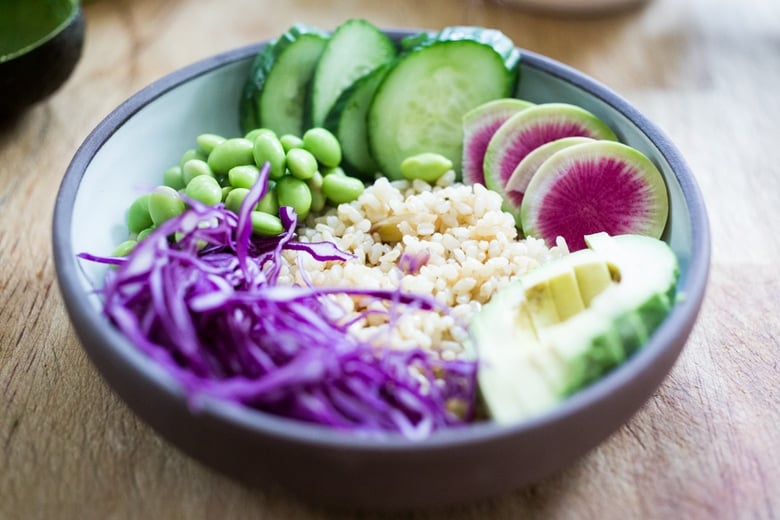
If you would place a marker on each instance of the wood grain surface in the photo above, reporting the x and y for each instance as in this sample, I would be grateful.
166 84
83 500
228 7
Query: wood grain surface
707 445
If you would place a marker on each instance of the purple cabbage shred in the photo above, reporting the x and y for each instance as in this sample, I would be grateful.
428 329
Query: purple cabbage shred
209 309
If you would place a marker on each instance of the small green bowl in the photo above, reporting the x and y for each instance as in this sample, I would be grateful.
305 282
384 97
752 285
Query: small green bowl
40 44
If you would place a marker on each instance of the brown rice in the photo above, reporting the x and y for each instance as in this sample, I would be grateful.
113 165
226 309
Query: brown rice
472 249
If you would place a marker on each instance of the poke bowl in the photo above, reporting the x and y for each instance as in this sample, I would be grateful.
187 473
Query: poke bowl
454 456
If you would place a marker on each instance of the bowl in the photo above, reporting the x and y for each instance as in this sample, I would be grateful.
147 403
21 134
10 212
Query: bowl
40 44
133 145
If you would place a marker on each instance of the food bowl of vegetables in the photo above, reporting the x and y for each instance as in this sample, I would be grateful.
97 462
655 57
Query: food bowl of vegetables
381 269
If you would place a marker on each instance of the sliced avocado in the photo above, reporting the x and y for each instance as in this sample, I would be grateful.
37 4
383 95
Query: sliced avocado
567 323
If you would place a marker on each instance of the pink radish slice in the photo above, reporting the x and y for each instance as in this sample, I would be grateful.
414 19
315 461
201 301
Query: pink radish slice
531 128
479 125
521 176
594 187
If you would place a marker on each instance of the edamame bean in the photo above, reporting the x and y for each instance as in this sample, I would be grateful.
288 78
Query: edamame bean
195 168
235 198
192 154
207 142
265 224
315 183
301 163
336 170
138 217
125 248
231 153
164 203
290 141
267 148
323 145
252 134
243 176
205 189
317 201
225 191
144 233
269 203
292 191
172 177
426 167
342 188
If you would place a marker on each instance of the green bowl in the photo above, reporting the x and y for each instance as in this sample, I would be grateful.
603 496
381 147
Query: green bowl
40 44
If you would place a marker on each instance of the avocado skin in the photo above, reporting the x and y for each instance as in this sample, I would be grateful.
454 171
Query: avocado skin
35 75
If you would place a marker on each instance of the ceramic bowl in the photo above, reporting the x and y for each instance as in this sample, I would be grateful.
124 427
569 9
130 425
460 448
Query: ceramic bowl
148 132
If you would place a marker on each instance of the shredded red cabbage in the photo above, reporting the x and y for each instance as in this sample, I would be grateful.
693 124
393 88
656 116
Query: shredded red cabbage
208 307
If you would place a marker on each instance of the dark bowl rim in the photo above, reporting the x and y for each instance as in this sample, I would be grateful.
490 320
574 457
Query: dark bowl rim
83 313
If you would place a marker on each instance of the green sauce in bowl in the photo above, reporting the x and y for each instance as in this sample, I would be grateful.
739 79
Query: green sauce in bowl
40 44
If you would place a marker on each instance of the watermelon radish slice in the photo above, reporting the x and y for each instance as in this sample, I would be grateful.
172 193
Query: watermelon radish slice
594 187
521 176
479 125
531 128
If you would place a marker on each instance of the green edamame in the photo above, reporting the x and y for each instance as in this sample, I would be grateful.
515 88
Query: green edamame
235 198
292 191
315 183
267 148
323 145
265 224
252 134
225 191
192 154
269 203
144 233
205 189
230 153
290 141
342 188
301 163
138 217
172 177
428 167
195 168
243 176
125 248
336 170
317 201
164 203
207 142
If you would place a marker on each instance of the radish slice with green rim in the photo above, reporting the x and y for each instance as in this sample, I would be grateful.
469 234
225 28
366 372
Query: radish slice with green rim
531 128
521 176
594 187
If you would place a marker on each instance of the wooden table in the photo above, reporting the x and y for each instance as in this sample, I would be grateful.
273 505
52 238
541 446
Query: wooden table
705 446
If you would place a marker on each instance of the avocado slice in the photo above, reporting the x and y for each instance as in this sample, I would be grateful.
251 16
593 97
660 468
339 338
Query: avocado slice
567 323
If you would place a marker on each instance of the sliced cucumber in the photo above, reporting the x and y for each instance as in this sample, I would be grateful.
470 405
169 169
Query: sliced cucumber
276 89
419 106
347 121
499 41
355 48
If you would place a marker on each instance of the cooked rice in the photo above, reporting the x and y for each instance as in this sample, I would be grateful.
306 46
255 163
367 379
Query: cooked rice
472 246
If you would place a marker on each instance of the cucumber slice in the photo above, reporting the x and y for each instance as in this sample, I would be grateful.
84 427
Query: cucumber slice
499 41
347 121
419 106
275 92
355 48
